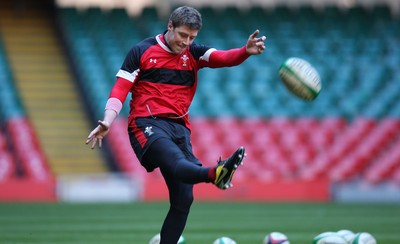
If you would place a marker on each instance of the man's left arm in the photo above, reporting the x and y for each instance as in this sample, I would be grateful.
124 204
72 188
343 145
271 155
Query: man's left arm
232 57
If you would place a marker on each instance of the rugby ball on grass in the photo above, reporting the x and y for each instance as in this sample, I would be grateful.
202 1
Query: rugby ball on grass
329 238
276 238
156 240
348 235
224 240
300 78
363 238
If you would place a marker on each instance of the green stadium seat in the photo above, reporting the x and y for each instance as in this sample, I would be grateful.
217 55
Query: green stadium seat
326 38
381 12
10 104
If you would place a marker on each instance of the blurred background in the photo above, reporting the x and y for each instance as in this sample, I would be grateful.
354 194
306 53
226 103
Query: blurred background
58 61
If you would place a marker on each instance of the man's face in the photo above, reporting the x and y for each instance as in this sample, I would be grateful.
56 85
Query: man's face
179 38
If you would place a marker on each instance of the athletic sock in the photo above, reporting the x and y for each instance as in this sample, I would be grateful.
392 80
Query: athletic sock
212 174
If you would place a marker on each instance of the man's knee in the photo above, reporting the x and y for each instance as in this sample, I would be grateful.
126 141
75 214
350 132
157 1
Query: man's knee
184 201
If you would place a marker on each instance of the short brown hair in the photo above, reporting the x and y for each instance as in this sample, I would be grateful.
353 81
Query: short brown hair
186 16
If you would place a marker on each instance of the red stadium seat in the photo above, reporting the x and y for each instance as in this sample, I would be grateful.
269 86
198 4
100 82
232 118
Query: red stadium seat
7 166
366 148
203 132
302 156
3 142
280 124
210 154
330 143
121 149
306 148
28 150
307 123
253 127
396 176
333 124
7 162
385 165
291 137
344 169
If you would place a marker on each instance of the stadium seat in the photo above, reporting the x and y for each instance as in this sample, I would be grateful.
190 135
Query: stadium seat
10 105
396 176
381 12
385 162
27 149
8 169
8 166
123 153
321 43
3 142
384 169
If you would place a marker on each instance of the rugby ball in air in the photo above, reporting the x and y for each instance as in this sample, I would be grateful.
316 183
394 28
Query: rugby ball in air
276 238
156 240
224 240
329 238
300 78
363 238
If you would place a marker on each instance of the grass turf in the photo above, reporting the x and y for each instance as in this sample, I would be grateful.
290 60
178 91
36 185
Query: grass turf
247 223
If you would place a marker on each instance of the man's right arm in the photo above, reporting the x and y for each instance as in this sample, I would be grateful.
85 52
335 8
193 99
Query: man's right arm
114 104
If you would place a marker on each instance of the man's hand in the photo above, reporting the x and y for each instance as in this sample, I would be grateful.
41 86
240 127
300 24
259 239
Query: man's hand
255 45
97 135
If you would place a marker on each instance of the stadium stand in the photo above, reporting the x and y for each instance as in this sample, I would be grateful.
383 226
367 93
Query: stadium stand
7 163
54 118
27 150
350 131
21 155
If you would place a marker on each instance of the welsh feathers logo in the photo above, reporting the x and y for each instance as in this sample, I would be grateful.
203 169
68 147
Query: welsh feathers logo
184 59
149 131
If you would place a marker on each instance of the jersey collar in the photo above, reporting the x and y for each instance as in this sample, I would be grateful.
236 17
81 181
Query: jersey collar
161 41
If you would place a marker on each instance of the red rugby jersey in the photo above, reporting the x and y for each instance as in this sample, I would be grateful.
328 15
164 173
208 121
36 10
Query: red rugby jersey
164 83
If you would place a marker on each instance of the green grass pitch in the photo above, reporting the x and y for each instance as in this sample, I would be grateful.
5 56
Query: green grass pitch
247 223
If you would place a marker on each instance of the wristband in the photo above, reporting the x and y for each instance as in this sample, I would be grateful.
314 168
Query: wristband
114 104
